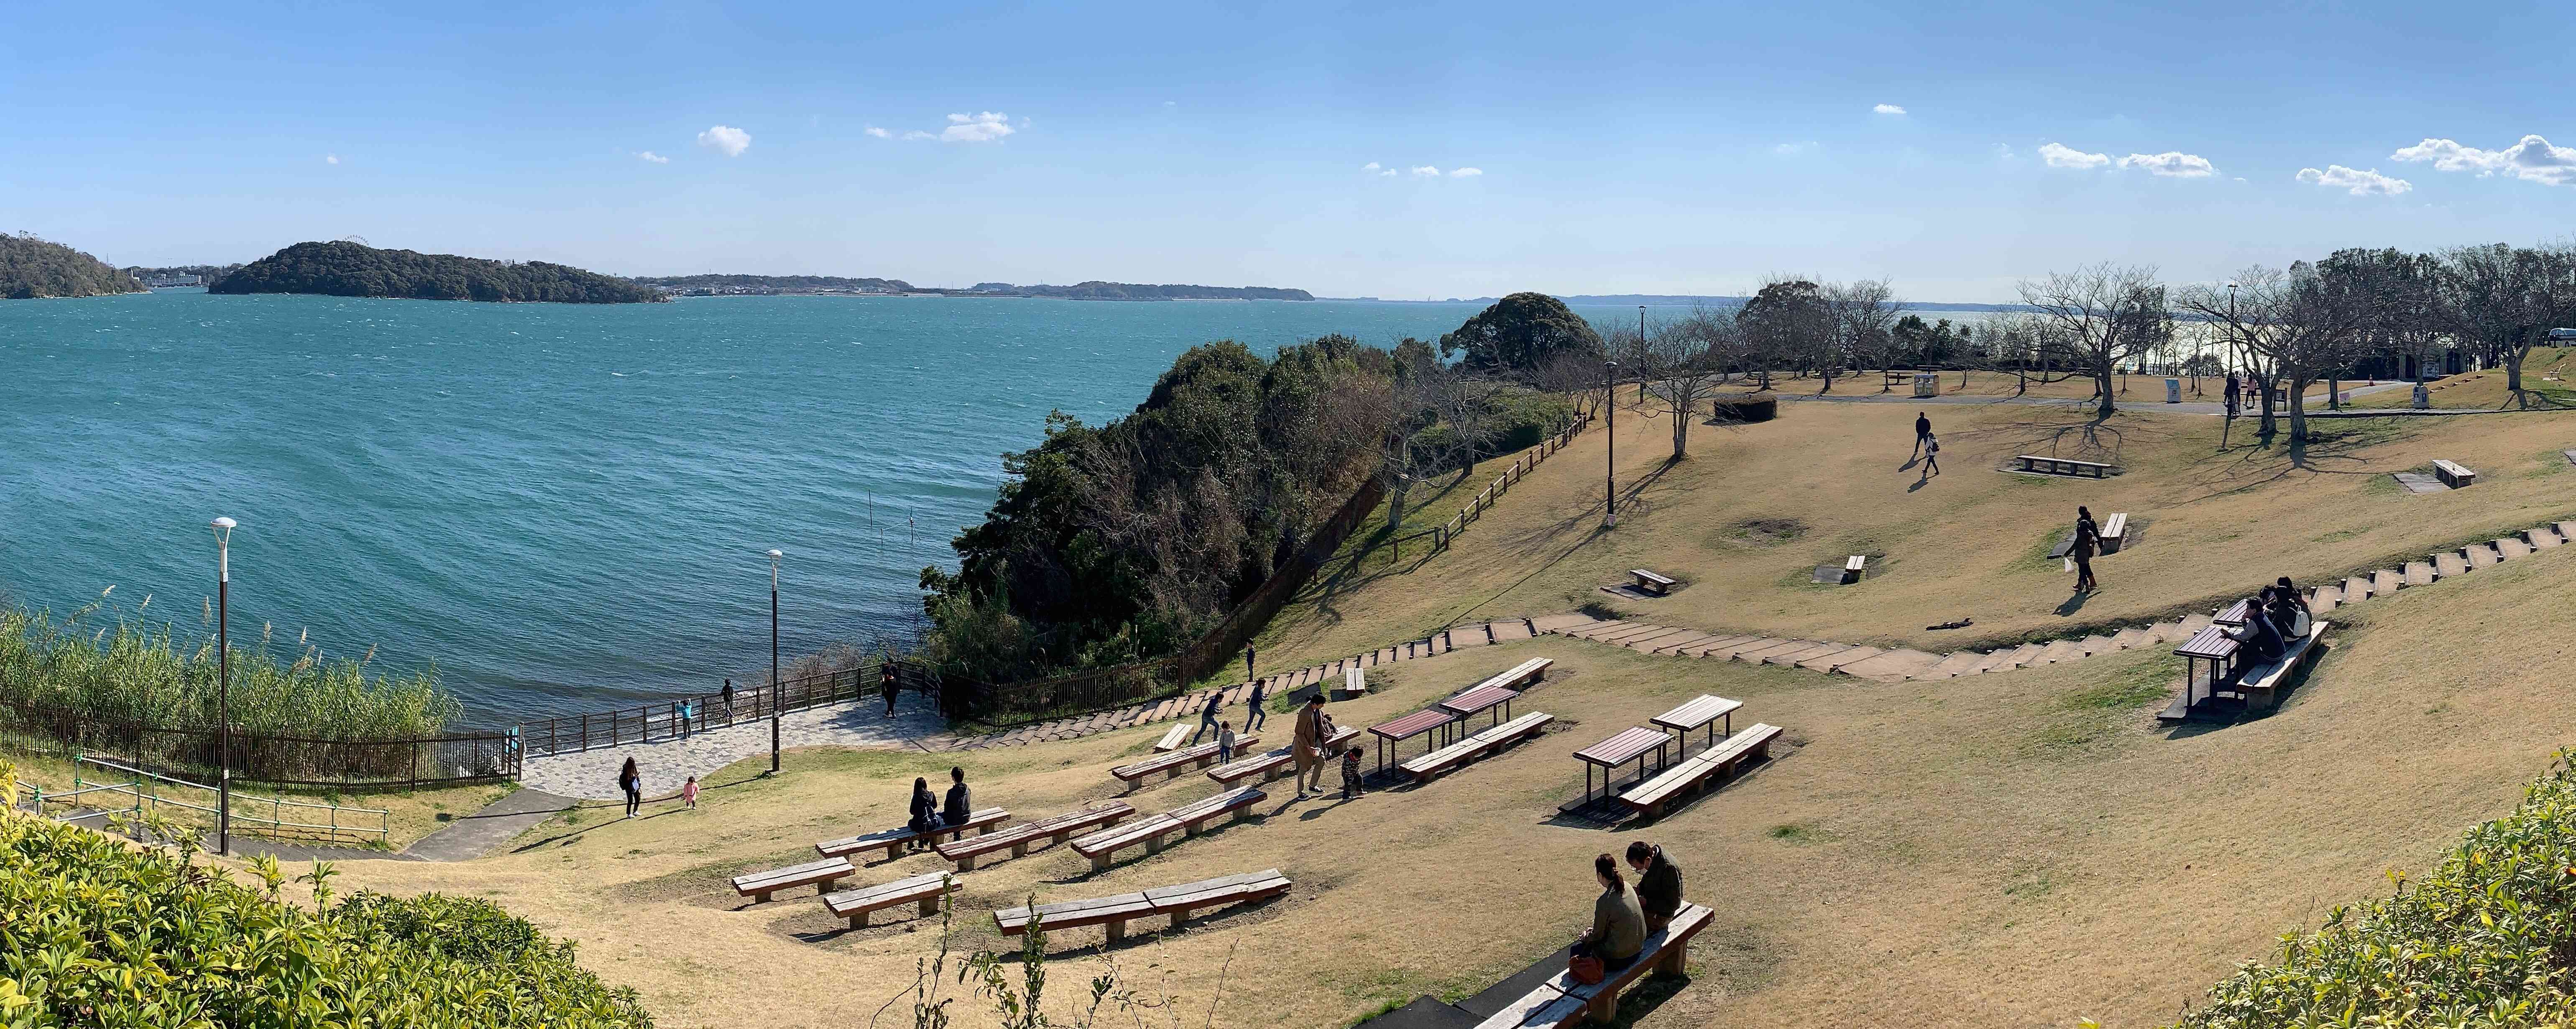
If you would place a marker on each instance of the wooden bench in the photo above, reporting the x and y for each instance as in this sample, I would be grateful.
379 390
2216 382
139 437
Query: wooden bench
1687 775
892 841
2115 531
1175 762
1852 567
2262 685
1020 837
1195 815
1650 582
1700 712
1149 830
1445 759
1272 765
1172 738
2454 474
1523 675
1175 901
857 905
818 874
1354 683
2062 466
1666 952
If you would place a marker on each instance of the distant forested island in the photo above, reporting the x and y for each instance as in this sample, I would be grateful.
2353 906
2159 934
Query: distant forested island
31 268
182 274
758 285
346 269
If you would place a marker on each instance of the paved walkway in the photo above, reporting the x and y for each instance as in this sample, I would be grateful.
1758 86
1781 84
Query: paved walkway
665 764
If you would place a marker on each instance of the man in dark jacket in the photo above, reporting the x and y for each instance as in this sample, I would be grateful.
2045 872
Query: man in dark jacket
1207 714
1922 430
1659 884
961 801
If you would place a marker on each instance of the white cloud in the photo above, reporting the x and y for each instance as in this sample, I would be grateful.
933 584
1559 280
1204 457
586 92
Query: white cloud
2533 159
984 127
330 158
650 157
1786 149
1426 171
1887 109
726 139
1462 173
879 133
1374 168
2059 155
2357 182
2171 164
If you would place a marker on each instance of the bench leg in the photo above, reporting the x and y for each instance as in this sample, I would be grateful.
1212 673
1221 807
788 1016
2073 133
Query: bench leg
929 906
1100 862
760 898
1118 930
1604 1008
1154 844
967 864
1675 960
860 920
1180 916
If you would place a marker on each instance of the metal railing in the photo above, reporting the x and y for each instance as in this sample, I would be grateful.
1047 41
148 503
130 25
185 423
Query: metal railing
680 716
271 759
132 791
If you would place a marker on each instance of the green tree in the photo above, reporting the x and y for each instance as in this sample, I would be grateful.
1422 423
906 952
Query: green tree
1520 333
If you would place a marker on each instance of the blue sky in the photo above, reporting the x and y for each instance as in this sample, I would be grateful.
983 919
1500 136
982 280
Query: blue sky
1619 147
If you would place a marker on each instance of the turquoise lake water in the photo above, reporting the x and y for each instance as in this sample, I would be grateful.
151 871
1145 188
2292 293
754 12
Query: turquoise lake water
563 507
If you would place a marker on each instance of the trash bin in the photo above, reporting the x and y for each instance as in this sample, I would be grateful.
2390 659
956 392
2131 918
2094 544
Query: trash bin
1927 384
2173 391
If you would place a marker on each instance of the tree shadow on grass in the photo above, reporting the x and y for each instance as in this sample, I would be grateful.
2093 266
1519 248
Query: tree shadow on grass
2243 469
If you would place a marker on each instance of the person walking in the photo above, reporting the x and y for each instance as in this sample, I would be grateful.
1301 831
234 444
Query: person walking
728 701
1225 743
689 793
1259 705
2088 541
1306 747
886 678
2234 388
961 801
1922 430
1207 714
630 781
1351 774
1247 661
1931 456
1659 884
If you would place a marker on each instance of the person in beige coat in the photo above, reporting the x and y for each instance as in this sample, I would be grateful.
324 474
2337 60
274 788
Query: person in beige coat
1307 748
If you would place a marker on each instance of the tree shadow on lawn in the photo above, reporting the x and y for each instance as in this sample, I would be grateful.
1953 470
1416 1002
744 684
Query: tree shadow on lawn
2243 469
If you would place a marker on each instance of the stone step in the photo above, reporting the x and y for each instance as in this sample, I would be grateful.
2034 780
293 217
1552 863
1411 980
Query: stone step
2511 547
1816 648
2565 530
1506 632
2447 564
1469 636
1892 666
2194 623
1596 630
2386 581
1769 644
2059 651
2418 573
1846 655
2325 598
1722 647
2009 658
1963 662
1647 641
2542 537
1631 631
2132 638
2482 556
1676 644
1560 623
2092 645
2356 588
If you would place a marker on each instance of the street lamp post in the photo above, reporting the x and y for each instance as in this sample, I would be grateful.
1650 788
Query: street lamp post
777 689
223 685
1641 352
1610 467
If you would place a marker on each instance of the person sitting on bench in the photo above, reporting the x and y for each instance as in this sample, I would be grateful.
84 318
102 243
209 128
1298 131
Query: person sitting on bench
1659 884
1618 925
2289 614
2260 638
960 800
925 812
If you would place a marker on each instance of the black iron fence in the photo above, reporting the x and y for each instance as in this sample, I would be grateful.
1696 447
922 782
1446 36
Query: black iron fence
677 716
263 757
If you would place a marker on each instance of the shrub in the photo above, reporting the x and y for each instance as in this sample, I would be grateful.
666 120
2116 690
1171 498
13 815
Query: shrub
1747 409
96 932
2484 940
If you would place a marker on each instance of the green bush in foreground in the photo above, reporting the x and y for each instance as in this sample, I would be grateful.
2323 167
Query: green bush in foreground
94 932
2487 939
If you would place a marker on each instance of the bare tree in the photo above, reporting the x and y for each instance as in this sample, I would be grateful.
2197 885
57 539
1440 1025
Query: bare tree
2035 349
1686 361
1579 377
2295 326
1863 314
2107 315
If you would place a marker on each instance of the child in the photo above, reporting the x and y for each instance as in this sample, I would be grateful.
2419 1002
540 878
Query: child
1225 743
1351 774
689 793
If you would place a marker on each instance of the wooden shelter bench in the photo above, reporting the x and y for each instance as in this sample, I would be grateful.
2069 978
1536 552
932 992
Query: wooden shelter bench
818 874
892 841
1019 838
1176 901
1561 1001
1172 738
2062 466
1171 765
1427 720
1650 582
1445 759
856 905
1628 745
1354 682
1701 712
1273 764
1687 775
2454 474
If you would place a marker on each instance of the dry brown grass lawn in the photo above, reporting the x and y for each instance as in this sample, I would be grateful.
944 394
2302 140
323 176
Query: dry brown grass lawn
2018 849
1754 509
2485 389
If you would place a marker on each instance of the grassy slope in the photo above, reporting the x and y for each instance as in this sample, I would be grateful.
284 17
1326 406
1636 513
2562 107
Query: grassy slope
2014 849
410 815
2486 389
1828 481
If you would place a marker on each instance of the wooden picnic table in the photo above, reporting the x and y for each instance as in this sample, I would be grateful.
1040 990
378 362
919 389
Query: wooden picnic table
1412 725
2213 645
2234 615
1701 711
1480 699
1628 745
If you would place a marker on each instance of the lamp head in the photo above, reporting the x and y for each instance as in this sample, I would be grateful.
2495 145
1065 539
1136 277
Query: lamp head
775 555
223 529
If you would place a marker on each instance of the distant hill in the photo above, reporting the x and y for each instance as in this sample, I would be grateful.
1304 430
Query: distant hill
714 285
1134 291
32 268
346 269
